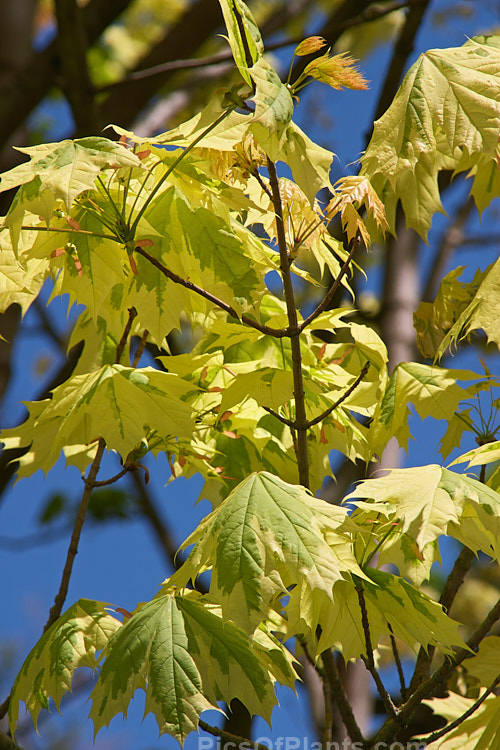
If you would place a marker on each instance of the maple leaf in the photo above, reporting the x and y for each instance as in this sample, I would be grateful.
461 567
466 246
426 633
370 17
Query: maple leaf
116 403
444 116
429 501
70 643
357 190
186 657
69 167
268 539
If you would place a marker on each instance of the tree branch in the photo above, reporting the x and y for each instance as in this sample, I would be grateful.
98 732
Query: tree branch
457 722
56 608
300 424
437 679
277 332
397 661
453 582
340 400
227 737
323 305
338 692
369 660
132 313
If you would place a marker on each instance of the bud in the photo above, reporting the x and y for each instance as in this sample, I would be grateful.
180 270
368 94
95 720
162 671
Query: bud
309 45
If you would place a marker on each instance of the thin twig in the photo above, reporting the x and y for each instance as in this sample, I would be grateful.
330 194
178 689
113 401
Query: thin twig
438 678
323 305
111 480
397 660
60 598
340 400
298 382
453 582
233 739
369 660
289 422
263 185
343 704
141 347
132 313
457 722
276 332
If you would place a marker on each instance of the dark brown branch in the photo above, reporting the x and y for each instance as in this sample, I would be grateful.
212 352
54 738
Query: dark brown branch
457 722
289 422
397 661
76 83
75 536
323 305
342 398
298 383
140 349
342 702
369 660
233 740
435 682
132 313
277 332
453 582
111 480
60 598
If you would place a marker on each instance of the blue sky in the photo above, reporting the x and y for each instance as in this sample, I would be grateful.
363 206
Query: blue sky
120 563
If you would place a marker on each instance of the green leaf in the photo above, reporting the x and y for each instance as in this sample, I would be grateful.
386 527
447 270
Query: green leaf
388 600
446 108
432 390
71 642
116 403
310 163
187 657
485 666
20 279
273 109
69 167
244 34
485 454
481 731
270 539
483 311
429 501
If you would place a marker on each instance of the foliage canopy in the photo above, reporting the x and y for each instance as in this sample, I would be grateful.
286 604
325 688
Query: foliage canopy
149 235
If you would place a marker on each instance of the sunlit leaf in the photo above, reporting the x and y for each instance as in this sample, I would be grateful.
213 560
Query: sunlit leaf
73 641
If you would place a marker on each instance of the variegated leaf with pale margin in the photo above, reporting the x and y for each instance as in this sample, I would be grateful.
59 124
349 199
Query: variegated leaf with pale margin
485 454
481 731
273 109
186 657
71 642
69 167
485 666
116 403
445 115
483 311
426 502
432 390
389 599
266 540
244 34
